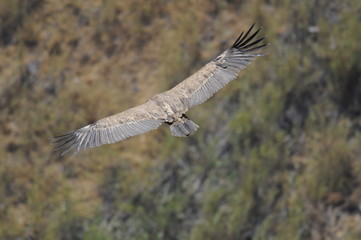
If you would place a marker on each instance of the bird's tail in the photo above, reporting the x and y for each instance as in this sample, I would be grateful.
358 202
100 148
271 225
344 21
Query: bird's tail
183 128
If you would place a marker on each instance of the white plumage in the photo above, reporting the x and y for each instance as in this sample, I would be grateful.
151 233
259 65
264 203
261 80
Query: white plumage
170 106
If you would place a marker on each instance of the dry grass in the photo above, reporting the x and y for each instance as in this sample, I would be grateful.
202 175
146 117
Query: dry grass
277 153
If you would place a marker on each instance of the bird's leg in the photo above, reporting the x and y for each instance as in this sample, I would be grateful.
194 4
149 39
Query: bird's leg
169 120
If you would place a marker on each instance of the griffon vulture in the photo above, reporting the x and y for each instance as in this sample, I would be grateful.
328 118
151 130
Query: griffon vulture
170 106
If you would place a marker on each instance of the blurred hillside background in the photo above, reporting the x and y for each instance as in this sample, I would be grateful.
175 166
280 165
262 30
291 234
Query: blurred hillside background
277 155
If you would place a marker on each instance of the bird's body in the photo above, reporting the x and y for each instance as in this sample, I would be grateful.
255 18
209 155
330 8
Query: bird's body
170 106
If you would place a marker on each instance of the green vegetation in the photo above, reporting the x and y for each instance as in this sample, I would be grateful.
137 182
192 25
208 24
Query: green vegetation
277 155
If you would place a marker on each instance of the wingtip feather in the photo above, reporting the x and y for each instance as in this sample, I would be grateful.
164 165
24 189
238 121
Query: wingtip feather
244 43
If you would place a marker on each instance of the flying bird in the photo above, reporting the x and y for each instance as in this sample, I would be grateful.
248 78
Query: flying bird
168 107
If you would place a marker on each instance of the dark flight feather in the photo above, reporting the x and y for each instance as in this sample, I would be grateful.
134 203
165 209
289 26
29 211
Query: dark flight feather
170 106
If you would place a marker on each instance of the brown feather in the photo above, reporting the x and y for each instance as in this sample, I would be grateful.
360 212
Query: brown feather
168 106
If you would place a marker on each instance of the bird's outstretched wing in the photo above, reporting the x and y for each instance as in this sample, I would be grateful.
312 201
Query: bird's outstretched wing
131 122
194 90
200 86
